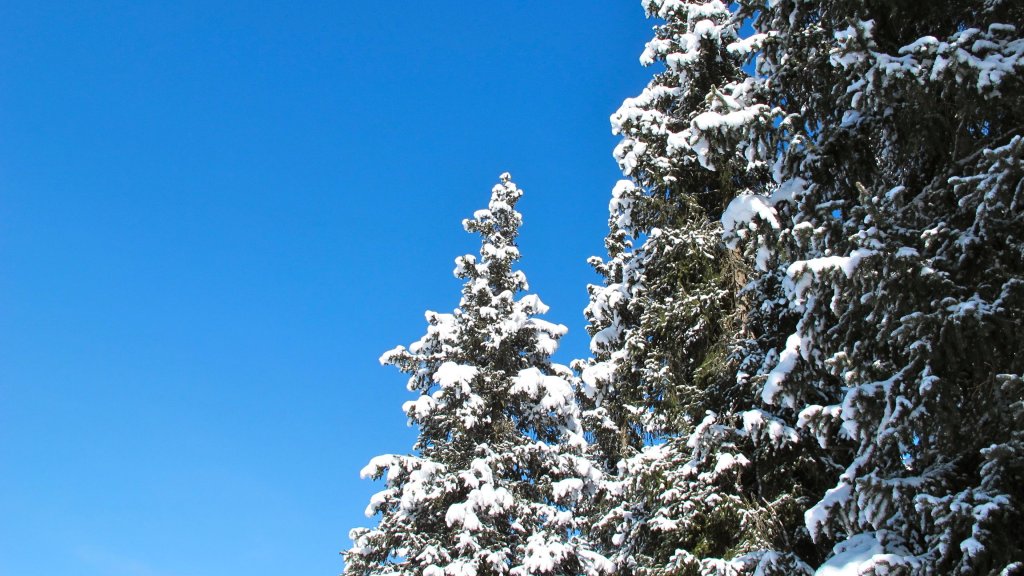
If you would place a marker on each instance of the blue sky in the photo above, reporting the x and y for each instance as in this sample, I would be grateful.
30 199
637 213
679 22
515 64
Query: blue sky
214 217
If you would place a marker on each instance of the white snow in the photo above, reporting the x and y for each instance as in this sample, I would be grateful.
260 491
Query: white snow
420 407
863 554
550 328
714 120
376 465
787 361
746 45
789 190
801 274
757 421
485 499
450 374
460 568
542 556
531 304
552 392
816 517
594 375
741 210
850 556
391 355
621 204
726 461
569 488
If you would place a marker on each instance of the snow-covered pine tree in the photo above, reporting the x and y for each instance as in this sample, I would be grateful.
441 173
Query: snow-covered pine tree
708 480
667 298
900 211
499 463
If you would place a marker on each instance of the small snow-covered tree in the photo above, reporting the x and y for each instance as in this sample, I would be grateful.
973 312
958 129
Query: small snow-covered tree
499 465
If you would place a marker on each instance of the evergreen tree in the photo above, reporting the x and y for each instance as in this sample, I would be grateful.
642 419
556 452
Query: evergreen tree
708 480
500 462
896 273
807 346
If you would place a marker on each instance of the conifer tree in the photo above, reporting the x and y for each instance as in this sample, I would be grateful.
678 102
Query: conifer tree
708 481
896 274
499 464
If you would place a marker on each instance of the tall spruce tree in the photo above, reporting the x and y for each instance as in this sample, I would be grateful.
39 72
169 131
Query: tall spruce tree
896 274
709 479
500 463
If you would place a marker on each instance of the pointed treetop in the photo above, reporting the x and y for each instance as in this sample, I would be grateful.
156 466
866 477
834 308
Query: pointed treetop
499 222
498 227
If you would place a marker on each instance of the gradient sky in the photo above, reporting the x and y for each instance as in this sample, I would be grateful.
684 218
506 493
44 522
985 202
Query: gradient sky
215 217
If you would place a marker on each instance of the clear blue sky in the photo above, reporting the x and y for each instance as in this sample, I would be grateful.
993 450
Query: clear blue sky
214 217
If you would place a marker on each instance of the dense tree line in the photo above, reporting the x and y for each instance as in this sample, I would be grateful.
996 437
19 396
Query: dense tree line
808 345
